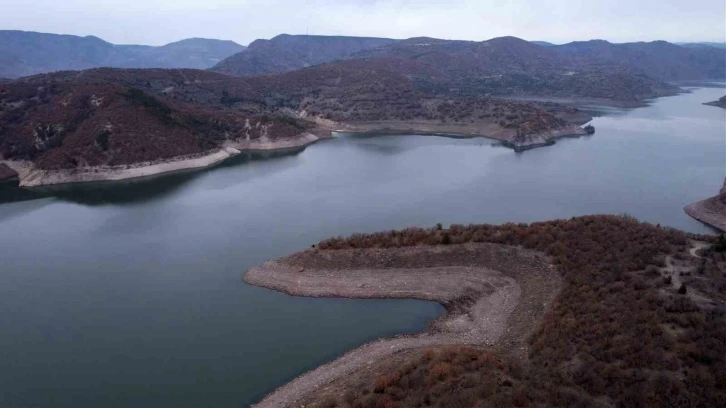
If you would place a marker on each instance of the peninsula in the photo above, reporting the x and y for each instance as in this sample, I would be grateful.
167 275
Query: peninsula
720 103
537 313
711 211
113 123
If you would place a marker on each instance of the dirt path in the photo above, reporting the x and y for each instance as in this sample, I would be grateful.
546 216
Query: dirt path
696 246
676 272
493 295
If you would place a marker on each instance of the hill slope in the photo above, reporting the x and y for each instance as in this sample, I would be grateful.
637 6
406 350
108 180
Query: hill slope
512 66
73 120
720 103
28 53
290 52
110 117
658 59
638 321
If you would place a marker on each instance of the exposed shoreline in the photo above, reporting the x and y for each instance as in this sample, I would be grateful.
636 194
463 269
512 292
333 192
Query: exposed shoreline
711 211
718 104
494 296
508 137
579 101
29 176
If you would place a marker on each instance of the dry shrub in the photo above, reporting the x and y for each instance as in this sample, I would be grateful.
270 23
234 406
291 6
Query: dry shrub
604 337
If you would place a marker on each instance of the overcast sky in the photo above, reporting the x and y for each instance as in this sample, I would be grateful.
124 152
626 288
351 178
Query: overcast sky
158 22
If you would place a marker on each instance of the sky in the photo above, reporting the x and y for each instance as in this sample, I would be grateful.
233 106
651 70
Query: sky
157 22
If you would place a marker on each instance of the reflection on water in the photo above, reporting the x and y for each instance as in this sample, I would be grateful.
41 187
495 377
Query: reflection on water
130 191
600 111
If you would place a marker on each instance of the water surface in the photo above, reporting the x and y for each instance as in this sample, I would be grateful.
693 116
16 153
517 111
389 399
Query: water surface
130 294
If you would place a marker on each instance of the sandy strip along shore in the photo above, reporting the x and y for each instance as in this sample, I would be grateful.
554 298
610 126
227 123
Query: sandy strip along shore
494 295
30 176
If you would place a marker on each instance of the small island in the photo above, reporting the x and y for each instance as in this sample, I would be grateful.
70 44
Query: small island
720 103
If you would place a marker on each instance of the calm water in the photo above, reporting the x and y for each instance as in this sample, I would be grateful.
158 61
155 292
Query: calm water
130 295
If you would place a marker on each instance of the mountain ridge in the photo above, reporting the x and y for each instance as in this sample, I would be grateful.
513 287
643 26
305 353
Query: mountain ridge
24 53
286 52
114 117
658 59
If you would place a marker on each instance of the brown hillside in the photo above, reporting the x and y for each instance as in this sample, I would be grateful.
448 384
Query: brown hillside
286 53
116 116
638 323
68 120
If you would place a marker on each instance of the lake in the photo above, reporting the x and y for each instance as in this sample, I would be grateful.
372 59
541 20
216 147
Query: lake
130 294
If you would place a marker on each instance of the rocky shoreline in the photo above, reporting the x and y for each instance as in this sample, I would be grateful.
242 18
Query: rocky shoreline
720 103
581 101
494 296
508 137
7 174
528 142
30 176
711 211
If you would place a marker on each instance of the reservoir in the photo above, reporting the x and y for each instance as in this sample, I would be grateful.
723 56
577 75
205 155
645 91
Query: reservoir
130 294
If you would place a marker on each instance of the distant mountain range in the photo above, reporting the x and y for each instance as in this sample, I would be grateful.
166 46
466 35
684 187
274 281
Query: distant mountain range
28 53
657 59
504 56
286 53
25 53
288 85
682 44
721 45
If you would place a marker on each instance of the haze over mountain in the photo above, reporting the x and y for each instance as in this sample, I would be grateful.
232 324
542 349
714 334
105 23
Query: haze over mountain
27 53
557 21
504 56
721 45
658 59
286 52
98 116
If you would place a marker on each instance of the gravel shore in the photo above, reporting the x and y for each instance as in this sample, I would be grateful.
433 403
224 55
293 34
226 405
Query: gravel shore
494 296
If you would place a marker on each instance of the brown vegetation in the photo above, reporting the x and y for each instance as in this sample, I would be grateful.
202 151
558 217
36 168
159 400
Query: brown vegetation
116 116
69 121
442 377
286 52
617 334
